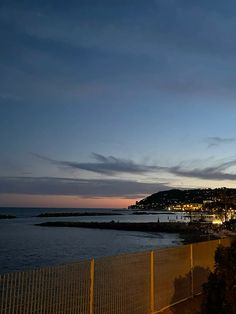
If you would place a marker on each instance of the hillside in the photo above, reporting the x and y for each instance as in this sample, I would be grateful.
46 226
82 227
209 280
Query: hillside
165 199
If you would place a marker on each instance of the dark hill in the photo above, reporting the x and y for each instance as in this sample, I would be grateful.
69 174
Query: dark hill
164 199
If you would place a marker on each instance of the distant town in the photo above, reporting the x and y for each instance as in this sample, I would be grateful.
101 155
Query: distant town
219 200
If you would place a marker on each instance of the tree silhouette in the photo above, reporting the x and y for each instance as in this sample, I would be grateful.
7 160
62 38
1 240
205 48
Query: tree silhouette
220 290
182 286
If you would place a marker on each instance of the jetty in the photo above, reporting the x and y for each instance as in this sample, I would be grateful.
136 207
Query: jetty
7 216
189 232
45 215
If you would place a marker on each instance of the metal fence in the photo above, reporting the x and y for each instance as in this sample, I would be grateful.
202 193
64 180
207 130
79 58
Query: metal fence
137 283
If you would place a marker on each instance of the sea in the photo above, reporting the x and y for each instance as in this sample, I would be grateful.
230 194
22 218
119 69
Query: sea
25 246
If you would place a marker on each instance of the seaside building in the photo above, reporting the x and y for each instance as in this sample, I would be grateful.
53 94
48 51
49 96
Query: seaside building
186 207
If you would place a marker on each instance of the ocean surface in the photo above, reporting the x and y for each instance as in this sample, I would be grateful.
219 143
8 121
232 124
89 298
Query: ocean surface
24 246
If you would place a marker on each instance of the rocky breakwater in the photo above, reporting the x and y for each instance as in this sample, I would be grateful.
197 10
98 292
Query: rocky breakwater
189 232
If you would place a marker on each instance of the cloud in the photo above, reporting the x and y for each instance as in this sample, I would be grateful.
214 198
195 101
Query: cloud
208 173
112 166
103 45
78 187
216 141
181 24
105 165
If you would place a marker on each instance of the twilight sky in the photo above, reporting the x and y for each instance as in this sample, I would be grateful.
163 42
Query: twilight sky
105 102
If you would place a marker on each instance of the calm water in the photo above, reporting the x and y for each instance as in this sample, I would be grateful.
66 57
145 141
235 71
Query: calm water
24 246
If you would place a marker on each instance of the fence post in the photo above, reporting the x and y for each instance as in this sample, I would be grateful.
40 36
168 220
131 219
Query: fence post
91 290
191 270
152 282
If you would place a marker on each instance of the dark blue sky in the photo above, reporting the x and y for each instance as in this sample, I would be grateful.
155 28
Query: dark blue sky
103 102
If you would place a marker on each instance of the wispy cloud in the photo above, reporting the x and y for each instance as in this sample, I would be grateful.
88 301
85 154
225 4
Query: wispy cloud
216 141
217 172
113 166
105 165
78 187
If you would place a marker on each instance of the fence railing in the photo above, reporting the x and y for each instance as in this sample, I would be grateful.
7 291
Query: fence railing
137 283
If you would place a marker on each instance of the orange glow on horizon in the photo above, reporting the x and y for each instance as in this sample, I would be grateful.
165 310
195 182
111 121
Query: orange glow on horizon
61 201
